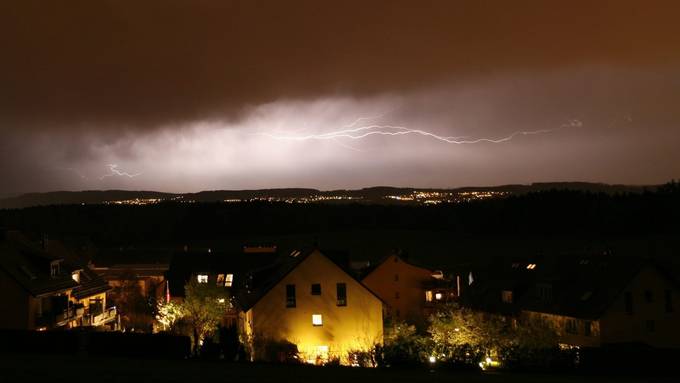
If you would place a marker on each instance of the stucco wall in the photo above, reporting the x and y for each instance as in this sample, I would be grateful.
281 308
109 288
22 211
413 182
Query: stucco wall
619 326
408 283
356 326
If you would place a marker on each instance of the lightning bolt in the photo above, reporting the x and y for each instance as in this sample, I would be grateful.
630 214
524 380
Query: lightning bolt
114 171
393 130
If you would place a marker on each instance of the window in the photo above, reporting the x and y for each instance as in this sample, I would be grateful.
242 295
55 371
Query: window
571 326
628 300
586 295
650 326
76 276
649 297
668 298
428 296
54 268
438 296
290 295
229 281
506 296
220 280
317 320
202 278
544 292
531 266
587 328
342 294
316 289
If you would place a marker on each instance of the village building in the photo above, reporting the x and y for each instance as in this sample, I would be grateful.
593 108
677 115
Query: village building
411 292
46 288
314 302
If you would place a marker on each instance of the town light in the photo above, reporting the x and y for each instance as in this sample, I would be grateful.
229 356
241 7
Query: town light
432 359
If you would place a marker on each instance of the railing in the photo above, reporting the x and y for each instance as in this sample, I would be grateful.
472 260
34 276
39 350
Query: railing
107 316
60 318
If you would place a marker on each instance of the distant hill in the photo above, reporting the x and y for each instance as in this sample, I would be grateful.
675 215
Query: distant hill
373 194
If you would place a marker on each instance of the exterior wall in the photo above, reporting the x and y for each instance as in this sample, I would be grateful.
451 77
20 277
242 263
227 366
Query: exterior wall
356 326
577 337
15 305
400 285
618 326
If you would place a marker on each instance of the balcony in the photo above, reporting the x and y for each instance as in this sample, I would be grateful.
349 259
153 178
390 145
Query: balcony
102 318
60 317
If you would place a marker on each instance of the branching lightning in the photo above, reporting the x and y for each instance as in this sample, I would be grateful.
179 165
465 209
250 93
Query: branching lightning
114 171
392 130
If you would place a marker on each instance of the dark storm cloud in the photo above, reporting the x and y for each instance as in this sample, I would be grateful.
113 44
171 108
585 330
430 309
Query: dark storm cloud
146 63
179 92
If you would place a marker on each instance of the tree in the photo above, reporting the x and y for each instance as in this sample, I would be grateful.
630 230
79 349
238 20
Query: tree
204 307
168 314
468 336
134 308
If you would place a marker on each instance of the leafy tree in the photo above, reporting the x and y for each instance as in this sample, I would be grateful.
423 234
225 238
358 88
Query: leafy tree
168 314
402 345
136 311
204 307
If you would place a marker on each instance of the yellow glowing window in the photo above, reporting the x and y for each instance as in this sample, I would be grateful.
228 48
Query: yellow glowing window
531 266
229 281
76 276
317 320
202 278
428 296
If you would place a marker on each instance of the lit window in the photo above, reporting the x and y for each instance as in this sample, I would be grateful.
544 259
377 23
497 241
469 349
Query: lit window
220 280
202 278
531 266
317 320
229 281
76 276
428 296
438 296
506 296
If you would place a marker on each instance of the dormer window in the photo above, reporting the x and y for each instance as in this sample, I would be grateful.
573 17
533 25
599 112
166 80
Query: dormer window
229 280
54 268
76 276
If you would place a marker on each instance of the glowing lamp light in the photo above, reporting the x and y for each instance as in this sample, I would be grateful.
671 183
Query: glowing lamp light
221 300
438 296
432 359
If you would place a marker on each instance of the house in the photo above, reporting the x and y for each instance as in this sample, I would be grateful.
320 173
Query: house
314 302
594 301
47 289
228 270
590 300
143 268
410 291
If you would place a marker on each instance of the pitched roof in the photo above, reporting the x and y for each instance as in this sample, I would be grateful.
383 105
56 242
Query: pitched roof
583 287
186 264
260 282
29 266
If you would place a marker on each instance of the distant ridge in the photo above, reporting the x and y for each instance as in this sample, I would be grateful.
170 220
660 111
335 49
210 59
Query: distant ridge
371 194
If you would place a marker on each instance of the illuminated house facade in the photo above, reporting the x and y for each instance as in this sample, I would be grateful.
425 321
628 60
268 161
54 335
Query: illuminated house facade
45 291
410 292
313 302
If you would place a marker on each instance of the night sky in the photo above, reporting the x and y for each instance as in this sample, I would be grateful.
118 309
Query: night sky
195 95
